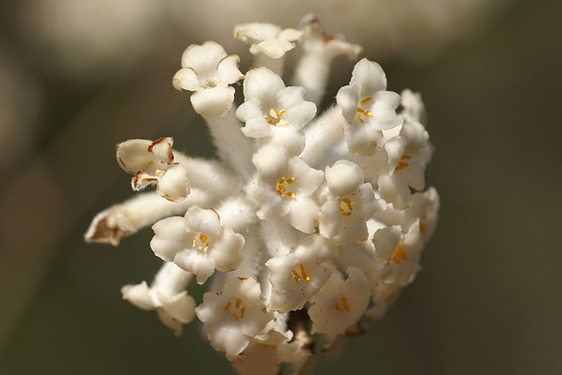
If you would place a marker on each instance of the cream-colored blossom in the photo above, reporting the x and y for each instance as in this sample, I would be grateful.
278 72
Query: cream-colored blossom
208 70
166 295
152 163
234 315
197 243
306 223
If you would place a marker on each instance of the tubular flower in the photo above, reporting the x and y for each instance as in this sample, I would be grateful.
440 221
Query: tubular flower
306 226
167 295
153 163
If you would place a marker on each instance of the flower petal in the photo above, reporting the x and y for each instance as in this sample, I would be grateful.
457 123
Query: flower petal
170 236
262 84
369 76
186 79
213 102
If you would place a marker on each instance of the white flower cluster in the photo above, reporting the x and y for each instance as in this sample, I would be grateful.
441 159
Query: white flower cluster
308 223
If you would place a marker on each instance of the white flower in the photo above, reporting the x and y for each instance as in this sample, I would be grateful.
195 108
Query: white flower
153 163
234 315
414 109
367 108
408 155
344 215
307 220
273 110
167 295
208 70
267 38
293 281
197 243
288 182
339 304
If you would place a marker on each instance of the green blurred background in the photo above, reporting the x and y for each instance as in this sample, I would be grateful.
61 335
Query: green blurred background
489 298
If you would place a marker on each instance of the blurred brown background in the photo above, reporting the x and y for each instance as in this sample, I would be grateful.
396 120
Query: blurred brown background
77 77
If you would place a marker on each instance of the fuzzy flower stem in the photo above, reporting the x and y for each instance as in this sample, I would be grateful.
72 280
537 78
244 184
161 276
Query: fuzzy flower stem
207 175
233 147
312 73
275 65
321 135
126 218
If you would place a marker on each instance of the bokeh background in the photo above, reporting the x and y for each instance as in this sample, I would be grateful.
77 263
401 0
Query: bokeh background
79 76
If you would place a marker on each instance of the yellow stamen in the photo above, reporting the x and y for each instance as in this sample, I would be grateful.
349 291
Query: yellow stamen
346 206
298 273
366 100
363 112
282 187
402 164
201 242
274 117
341 305
237 308
399 254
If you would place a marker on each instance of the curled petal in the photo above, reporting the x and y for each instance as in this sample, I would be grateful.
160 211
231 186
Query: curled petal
226 252
203 57
272 48
228 70
369 76
196 263
270 161
186 79
203 221
344 177
170 236
174 184
213 102
262 84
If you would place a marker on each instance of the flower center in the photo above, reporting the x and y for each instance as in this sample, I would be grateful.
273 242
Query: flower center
361 112
341 305
282 187
399 254
201 242
346 206
402 164
209 83
298 273
273 117
236 307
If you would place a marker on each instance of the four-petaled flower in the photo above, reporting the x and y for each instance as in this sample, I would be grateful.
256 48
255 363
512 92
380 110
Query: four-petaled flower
208 70
351 202
339 304
197 243
167 295
274 111
267 38
367 107
234 315
286 186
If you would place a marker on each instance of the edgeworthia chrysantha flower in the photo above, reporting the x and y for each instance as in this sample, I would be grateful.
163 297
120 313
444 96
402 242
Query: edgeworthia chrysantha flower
308 225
